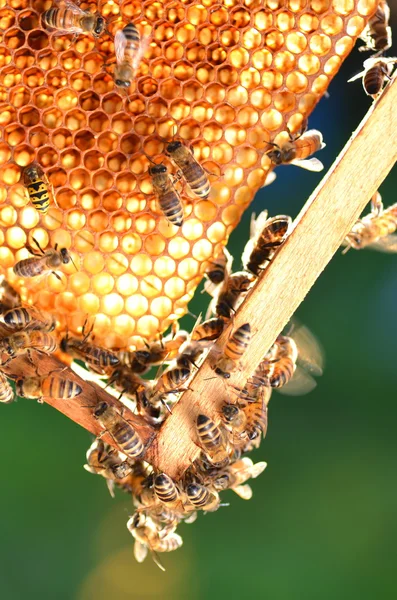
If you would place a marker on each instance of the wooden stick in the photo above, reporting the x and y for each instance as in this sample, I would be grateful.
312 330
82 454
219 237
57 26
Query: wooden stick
318 232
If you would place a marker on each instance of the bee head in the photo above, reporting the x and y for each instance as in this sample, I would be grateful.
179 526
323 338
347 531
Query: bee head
100 409
65 256
157 169
173 146
230 411
221 373
275 156
99 26
122 83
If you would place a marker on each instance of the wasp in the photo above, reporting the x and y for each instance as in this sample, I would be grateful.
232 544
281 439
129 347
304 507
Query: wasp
27 319
212 439
376 230
377 34
267 235
6 391
66 17
201 497
233 351
376 71
147 537
129 49
44 261
50 386
218 271
231 294
235 476
192 171
39 189
169 199
297 150
122 431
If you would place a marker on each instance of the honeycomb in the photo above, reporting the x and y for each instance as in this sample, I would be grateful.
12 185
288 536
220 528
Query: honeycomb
225 77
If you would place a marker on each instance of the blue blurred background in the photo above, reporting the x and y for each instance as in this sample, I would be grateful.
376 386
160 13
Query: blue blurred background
322 520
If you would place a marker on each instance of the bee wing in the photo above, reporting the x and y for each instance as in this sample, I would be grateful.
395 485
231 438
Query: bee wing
143 46
310 351
110 485
244 491
140 551
300 384
257 469
358 76
310 164
387 244
120 44
270 178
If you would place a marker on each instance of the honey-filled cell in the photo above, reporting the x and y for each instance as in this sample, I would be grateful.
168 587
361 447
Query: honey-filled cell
224 78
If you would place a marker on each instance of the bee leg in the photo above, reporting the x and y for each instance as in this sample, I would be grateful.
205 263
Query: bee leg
39 247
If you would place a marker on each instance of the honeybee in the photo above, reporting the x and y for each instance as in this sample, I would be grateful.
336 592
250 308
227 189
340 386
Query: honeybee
219 270
231 294
104 460
40 263
376 230
169 199
212 439
233 351
170 381
136 361
121 430
208 330
192 171
129 49
235 476
202 498
97 358
266 236
40 191
376 71
125 381
21 342
9 297
50 386
377 33
297 150
147 538
66 17
6 391
256 414
166 490
27 319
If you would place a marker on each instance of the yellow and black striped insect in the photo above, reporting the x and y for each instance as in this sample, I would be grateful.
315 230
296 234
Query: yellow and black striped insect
376 71
9 297
104 460
42 262
192 171
202 498
6 391
129 49
235 476
208 330
377 34
67 17
122 431
97 358
166 490
298 149
233 351
39 188
21 342
266 236
169 199
28 319
212 439
170 381
50 386
231 294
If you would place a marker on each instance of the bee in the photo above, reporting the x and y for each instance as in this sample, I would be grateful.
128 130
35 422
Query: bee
55 387
21 342
40 263
129 49
377 34
170 381
208 330
27 319
202 498
235 419
169 199
376 71
136 361
97 358
166 490
212 439
283 365
9 297
233 351
219 270
298 149
235 476
125 381
376 230
39 189
147 537
103 460
66 17
121 430
191 170
6 391
266 236
256 413
232 293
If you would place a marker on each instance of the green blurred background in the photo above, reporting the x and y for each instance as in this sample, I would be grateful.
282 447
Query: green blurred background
322 520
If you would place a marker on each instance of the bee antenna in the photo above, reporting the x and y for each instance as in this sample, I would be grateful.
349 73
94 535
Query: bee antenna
73 263
148 157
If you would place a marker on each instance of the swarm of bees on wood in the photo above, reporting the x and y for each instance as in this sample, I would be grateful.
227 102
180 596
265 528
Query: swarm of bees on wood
289 366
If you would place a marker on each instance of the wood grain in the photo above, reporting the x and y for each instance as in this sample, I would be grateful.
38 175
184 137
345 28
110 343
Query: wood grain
318 232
